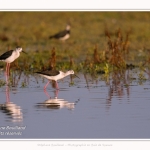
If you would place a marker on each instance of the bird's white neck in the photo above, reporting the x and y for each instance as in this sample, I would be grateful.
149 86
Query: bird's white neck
65 74
68 28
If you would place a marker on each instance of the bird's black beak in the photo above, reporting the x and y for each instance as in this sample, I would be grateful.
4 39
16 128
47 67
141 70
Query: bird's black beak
76 76
24 52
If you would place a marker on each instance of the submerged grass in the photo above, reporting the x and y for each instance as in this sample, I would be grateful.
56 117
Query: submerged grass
100 42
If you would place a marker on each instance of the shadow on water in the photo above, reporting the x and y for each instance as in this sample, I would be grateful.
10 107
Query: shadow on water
12 110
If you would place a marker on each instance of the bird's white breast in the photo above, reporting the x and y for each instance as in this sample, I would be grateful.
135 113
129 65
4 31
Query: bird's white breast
14 56
65 37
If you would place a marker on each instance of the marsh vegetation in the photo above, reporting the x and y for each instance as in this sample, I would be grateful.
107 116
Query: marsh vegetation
100 42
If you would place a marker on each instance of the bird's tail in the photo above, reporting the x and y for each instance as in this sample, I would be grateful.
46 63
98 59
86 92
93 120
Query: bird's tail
50 37
37 72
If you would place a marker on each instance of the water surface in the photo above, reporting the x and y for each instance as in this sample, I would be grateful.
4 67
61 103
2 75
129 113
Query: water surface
90 108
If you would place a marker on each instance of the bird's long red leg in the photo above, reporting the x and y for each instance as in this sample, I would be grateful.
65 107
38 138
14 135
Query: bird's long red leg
6 73
7 95
45 89
57 86
46 93
8 70
46 85
56 93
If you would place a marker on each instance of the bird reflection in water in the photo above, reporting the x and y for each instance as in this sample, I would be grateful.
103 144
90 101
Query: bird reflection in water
11 109
55 103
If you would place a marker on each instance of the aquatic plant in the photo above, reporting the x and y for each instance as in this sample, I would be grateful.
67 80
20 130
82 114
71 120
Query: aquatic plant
2 83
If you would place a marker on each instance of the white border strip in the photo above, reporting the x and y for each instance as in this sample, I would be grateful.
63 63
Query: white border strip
76 10
74 4
76 144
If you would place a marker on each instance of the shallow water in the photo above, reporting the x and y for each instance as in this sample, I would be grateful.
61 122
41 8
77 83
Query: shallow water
90 108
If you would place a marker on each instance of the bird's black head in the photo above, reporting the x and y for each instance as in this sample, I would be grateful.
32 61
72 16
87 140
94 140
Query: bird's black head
18 48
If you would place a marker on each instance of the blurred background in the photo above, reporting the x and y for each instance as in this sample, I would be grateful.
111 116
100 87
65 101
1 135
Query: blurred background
32 29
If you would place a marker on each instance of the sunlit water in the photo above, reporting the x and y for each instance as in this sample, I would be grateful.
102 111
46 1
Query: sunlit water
90 108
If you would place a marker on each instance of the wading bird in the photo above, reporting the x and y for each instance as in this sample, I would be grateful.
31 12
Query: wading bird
10 56
54 75
63 35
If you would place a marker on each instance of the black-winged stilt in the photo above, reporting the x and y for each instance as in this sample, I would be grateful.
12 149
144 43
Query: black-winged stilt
55 75
10 56
63 35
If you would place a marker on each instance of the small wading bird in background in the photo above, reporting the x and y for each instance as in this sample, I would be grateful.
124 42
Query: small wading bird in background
55 75
63 35
10 56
